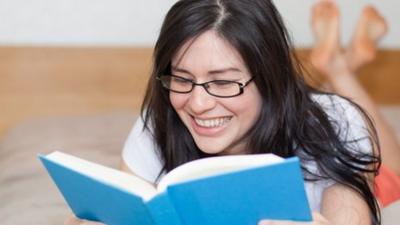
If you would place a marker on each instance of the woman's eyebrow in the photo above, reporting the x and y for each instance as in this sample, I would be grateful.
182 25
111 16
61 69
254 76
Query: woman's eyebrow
216 71
219 71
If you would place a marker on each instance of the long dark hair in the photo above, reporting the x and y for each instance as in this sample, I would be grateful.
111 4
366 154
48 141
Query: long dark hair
290 121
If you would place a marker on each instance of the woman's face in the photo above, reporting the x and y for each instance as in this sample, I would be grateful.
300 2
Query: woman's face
218 125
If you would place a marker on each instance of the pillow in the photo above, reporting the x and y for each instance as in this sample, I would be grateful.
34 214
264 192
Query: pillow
27 192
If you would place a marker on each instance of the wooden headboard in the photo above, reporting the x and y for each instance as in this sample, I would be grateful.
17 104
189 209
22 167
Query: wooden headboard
38 82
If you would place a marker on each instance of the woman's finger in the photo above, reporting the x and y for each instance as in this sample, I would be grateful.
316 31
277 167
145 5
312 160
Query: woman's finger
72 220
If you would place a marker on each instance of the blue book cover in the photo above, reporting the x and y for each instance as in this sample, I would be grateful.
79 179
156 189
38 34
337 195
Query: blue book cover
238 194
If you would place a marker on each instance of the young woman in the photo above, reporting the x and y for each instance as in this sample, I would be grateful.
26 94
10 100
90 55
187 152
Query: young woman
224 81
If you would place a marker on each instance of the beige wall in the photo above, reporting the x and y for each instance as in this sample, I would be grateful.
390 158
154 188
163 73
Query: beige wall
137 22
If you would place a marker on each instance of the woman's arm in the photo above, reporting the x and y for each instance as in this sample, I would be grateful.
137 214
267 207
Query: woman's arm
72 220
340 205
123 167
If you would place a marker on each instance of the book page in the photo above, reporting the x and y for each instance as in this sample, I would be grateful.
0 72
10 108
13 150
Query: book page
107 175
214 166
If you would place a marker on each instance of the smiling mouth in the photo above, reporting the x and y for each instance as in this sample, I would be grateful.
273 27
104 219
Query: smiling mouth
212 123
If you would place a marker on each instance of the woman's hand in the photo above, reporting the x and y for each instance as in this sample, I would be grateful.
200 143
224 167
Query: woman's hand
318 219
72 220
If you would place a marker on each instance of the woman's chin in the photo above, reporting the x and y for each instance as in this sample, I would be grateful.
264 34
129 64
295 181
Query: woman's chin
210 147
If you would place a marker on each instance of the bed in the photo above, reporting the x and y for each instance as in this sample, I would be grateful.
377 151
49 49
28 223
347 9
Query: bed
84 101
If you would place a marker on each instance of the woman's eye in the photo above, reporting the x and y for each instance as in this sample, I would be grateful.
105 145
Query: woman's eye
180 80
223 83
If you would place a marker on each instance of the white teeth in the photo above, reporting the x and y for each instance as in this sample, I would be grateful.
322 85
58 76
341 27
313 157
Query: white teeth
213 122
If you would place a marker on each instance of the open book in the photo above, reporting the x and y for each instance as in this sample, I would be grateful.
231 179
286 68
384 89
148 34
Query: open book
239 189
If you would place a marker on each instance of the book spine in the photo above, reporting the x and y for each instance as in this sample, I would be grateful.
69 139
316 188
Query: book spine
163 211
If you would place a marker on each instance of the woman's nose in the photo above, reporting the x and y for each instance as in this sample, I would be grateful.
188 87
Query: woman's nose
200 101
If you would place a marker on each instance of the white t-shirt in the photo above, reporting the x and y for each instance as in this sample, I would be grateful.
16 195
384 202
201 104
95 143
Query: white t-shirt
141 157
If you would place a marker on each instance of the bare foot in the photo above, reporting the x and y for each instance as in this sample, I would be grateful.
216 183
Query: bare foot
370 29
325 25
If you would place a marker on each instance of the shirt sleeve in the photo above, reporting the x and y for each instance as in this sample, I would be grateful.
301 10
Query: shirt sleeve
352 130
351 126
139 153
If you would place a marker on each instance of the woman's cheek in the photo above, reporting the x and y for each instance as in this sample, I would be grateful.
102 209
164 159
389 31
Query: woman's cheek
177 100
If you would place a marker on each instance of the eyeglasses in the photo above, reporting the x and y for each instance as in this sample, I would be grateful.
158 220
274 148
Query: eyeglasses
217 88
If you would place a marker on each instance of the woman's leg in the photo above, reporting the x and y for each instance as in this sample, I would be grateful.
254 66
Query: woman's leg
325 25
339 67
370 29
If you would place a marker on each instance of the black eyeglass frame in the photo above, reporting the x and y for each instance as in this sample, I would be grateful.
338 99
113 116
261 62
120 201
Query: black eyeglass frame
204 85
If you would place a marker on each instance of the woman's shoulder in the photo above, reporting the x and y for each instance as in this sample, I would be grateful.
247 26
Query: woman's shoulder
140 152
332 102
339 109
348 120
